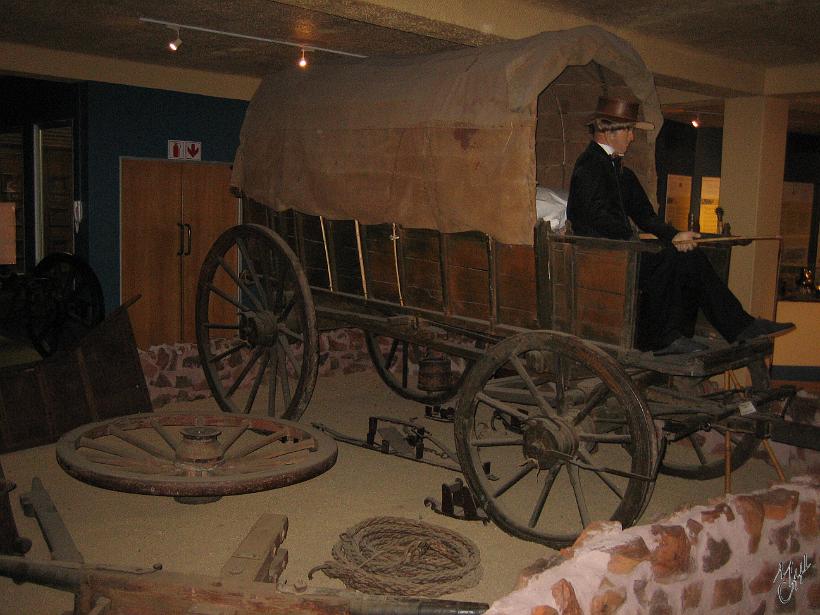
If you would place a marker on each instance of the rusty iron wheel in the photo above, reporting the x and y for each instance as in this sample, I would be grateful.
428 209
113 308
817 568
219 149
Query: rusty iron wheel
392 359
256 324
552 434
694 457
64 302
191 455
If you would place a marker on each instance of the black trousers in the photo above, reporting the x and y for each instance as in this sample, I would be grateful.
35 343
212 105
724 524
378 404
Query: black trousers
673 286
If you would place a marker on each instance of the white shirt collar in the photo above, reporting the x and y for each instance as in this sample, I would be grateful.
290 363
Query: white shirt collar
607 148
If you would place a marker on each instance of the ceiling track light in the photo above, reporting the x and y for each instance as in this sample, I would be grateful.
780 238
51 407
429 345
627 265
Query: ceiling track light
276 41
303 61
696 122
177 42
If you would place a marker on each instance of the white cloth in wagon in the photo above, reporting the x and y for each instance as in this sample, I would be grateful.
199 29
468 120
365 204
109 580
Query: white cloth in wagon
443 141
551 206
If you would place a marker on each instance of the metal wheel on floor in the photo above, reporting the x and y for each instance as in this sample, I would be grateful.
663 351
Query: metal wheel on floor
256 324
64 302
186 455
552 434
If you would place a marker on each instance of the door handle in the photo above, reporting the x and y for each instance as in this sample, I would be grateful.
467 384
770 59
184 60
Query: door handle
188 229
181 241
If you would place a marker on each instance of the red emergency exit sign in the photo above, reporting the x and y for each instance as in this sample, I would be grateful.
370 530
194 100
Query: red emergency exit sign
184 150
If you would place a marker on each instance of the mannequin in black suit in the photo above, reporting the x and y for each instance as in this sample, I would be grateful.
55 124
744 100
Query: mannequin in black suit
605 199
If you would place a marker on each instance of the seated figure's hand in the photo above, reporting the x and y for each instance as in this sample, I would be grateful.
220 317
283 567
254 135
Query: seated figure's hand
683 241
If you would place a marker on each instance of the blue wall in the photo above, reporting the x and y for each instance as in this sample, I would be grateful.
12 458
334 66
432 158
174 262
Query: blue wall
129 121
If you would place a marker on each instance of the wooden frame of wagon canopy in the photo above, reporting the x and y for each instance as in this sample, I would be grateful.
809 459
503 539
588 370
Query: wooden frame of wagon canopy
444 141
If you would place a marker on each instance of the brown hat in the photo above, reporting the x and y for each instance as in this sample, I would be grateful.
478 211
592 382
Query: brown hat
619 110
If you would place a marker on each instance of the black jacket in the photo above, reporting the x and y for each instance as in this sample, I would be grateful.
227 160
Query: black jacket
600 200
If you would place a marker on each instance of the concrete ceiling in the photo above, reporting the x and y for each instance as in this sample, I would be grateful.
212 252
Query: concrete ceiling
762 32
768 33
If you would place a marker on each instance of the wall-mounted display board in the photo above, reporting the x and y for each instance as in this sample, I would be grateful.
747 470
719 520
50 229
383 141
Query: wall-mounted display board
709 203
678 197
795 222
11 191
796 230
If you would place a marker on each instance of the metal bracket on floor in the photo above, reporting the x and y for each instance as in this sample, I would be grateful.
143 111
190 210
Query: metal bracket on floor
408 442
457 502
443 414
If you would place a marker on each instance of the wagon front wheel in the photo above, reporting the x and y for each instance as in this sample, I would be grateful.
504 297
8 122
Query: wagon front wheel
256 324
552 434
701 455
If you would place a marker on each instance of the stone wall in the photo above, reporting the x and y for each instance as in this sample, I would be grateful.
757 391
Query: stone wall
173 372
749 554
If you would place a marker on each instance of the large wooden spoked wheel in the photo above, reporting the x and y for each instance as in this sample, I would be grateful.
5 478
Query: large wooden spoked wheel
701 456
64 302
256 324
396 362
187 455
552 434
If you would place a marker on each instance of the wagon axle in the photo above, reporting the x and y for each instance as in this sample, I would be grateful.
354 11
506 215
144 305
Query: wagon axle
259 328
547 444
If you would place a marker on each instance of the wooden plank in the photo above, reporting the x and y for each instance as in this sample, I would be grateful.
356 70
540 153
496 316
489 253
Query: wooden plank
516 284
252 559
518 293
468 292
468 250
421 244
601 269
518 318
602 307
561 286
543 289
346 257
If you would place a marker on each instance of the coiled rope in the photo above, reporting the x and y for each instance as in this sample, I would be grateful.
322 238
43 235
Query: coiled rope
395 556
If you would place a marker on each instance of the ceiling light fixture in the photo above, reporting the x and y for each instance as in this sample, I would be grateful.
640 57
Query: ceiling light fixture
180 26
303 60
176 43
696 122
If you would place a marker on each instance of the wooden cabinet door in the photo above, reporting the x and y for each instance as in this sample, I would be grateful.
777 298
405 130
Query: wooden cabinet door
208 208
171 213
151 192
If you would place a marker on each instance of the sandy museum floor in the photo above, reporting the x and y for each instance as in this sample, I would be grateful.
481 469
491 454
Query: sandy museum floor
136 530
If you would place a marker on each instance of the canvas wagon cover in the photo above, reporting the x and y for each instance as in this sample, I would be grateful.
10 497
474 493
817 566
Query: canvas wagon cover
443 141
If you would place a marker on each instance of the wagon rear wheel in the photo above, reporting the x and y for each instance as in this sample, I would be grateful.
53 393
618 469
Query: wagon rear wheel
396 362
256 324
552 434
700 456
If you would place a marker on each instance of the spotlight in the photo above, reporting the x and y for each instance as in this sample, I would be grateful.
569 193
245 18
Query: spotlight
303 61
696 122
176 43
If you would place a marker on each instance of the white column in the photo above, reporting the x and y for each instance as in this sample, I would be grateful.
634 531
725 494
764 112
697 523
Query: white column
751 188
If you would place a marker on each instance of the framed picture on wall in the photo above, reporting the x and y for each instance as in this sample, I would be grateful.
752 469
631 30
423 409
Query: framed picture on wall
10 185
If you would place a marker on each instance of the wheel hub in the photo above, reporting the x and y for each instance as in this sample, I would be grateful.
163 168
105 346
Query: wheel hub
547 443
199 445
259 328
